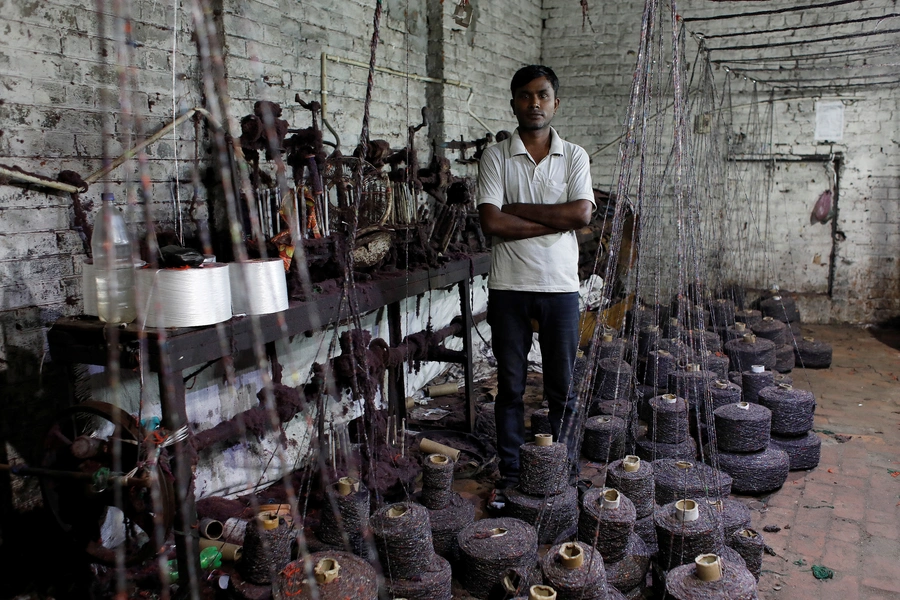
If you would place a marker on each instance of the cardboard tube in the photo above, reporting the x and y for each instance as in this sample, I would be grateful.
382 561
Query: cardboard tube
709 567
758 368
571 556
610 499
541 592
721 384
631 463
231 552
397 511
744 405
326 570
499 532
233 531
439 459
669 398
347 485
692 367
683 464
442 390
687 511
543 439
786 386
740 326
749 338
431 447
211 529
268 520
410 403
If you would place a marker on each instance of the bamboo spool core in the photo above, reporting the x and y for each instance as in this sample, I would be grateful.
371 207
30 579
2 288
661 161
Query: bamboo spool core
631 463
571 556
326 570
687 510
610 499
543 439
347 485
541 592
709 567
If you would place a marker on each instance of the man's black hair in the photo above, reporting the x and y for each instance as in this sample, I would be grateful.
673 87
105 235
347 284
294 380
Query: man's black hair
526 75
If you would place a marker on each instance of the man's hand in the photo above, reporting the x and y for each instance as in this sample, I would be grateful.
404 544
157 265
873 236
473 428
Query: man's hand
560 217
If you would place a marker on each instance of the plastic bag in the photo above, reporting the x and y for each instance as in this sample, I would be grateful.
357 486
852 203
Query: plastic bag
821 212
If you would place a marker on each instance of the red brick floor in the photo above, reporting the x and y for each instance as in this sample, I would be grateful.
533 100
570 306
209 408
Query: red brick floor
845 514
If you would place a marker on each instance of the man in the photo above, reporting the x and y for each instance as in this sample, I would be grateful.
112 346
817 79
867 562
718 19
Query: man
534 190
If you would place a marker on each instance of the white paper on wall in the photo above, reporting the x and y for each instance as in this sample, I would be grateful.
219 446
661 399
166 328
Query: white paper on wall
829 121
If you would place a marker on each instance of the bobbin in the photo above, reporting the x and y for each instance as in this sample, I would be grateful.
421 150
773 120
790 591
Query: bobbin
792 409
604 438
755 472
742 427
750 544
575 571
677 479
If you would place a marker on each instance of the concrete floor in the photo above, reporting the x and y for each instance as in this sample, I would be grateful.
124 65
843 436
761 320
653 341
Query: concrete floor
845 514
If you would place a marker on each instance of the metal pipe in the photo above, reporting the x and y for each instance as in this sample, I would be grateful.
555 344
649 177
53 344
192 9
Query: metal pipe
356 63
56 185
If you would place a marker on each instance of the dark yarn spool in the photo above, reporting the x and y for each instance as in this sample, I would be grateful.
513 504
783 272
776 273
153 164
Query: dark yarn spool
614 408
748 316
610 347
752 382
677 479
447 522
517 580
716 362
727 554
755 472
402 534
353 510
606 529
550 515
736 332
743 427
679 542
782 308
792 409
660 363
435 582
604 438
668 423
629 572
585 582
721 392
750 545
812 354
613 379
544 469
782 378
722 311
641 316
266 551
771 329
540 421
785 360
674 346
645 527
803 451
672 329
691 383
648 339
356 579
701 340
647 449
736 583
735 377
487 548
437 481
638 486
731 514
751 351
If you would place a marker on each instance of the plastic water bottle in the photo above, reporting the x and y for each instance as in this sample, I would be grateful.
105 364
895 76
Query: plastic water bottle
113 264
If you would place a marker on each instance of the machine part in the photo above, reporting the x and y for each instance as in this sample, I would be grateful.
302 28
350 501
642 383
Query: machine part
87 511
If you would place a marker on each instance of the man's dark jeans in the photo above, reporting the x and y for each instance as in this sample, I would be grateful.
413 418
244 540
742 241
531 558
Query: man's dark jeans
509 315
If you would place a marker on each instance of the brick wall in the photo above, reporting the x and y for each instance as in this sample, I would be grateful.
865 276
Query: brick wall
764 237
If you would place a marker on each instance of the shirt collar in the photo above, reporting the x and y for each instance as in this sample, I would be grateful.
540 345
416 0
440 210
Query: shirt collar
516 146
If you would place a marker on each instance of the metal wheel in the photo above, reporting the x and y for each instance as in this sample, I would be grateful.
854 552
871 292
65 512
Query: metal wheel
82 494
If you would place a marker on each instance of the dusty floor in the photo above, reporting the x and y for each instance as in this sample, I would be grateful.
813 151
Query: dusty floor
845 514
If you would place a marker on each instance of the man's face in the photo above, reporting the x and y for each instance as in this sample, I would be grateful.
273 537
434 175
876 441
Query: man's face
534 104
